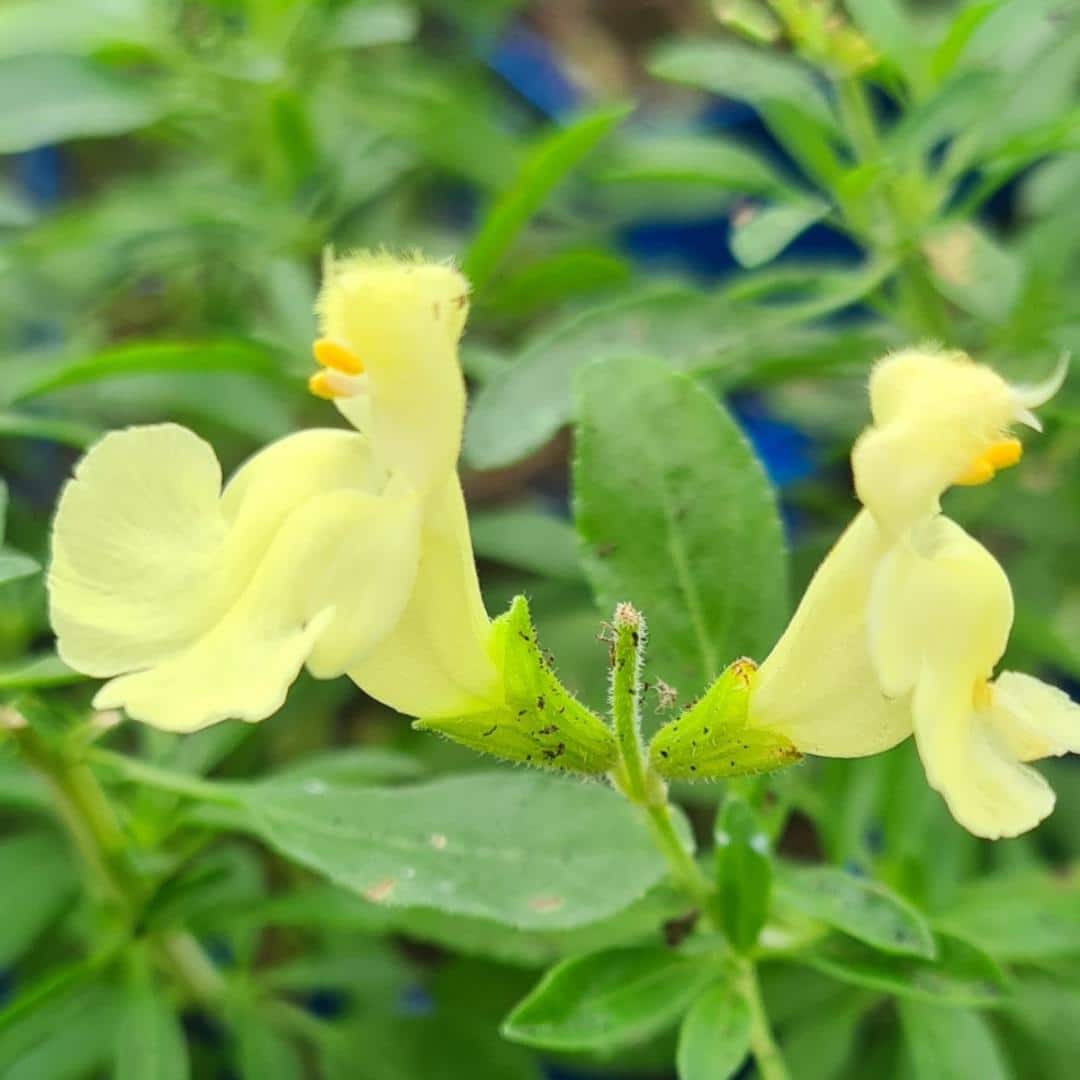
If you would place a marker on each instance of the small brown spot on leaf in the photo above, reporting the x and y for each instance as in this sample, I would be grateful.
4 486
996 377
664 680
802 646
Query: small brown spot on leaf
380 890
545 904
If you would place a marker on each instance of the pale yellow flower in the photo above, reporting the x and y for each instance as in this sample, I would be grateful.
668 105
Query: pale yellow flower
346 551
904 622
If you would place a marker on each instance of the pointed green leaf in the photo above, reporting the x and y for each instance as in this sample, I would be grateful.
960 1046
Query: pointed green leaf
150 1042
950 1044
961 974
760 235
67 97
743 873
760 77
864 909
608 999
546 164
679 518
715 1035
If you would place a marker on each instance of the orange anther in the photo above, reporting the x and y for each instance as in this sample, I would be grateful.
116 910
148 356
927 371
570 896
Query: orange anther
1005 453
332 354
319 385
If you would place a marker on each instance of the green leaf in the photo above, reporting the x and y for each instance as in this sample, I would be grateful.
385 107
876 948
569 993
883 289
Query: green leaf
547 163
64 97
861 908
363 25
889 27
545 853
56 429
1024 917
40 881
713 738
266 1054
760 235
679 518
65 1035
1043 1023
541 723
157 356
759 77
822 1038
518 410
951 111
14 565
150 1042
694 159
715 1035
33 671
353 765
973 270
750 18
564 276
950 1044
961 975
743 873
608 999
965 23
528 539
70 26
330 908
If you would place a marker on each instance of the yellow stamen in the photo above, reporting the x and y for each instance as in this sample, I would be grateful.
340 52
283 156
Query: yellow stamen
999 455
978 472
982 695
334 355
1005 453
319 385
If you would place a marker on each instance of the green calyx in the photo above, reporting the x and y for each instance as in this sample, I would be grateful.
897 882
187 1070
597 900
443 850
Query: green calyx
713 738
541 723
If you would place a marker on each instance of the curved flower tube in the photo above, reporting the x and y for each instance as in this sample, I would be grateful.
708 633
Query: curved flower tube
345 551
902 626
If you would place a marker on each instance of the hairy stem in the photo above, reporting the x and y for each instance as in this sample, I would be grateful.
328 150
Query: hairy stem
633 779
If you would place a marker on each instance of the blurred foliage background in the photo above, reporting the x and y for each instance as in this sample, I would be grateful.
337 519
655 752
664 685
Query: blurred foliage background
766 196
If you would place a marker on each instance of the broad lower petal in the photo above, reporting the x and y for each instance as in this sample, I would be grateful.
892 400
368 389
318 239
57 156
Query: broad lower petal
137 544
1033 718
986 788
337 575
435 662
818 686
937 595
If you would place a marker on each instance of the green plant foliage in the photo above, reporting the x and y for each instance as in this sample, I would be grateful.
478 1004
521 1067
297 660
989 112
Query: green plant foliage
608 999
689 231
709 574
713 737
541 724
507 865
714 1038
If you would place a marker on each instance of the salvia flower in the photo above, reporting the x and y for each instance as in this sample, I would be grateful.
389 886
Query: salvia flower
905 621
346 551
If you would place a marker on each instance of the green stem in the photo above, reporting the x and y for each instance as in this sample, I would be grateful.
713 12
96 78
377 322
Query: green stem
922 302
633 779
186 959
625 708
770 1061
163 779
684 867
86 812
